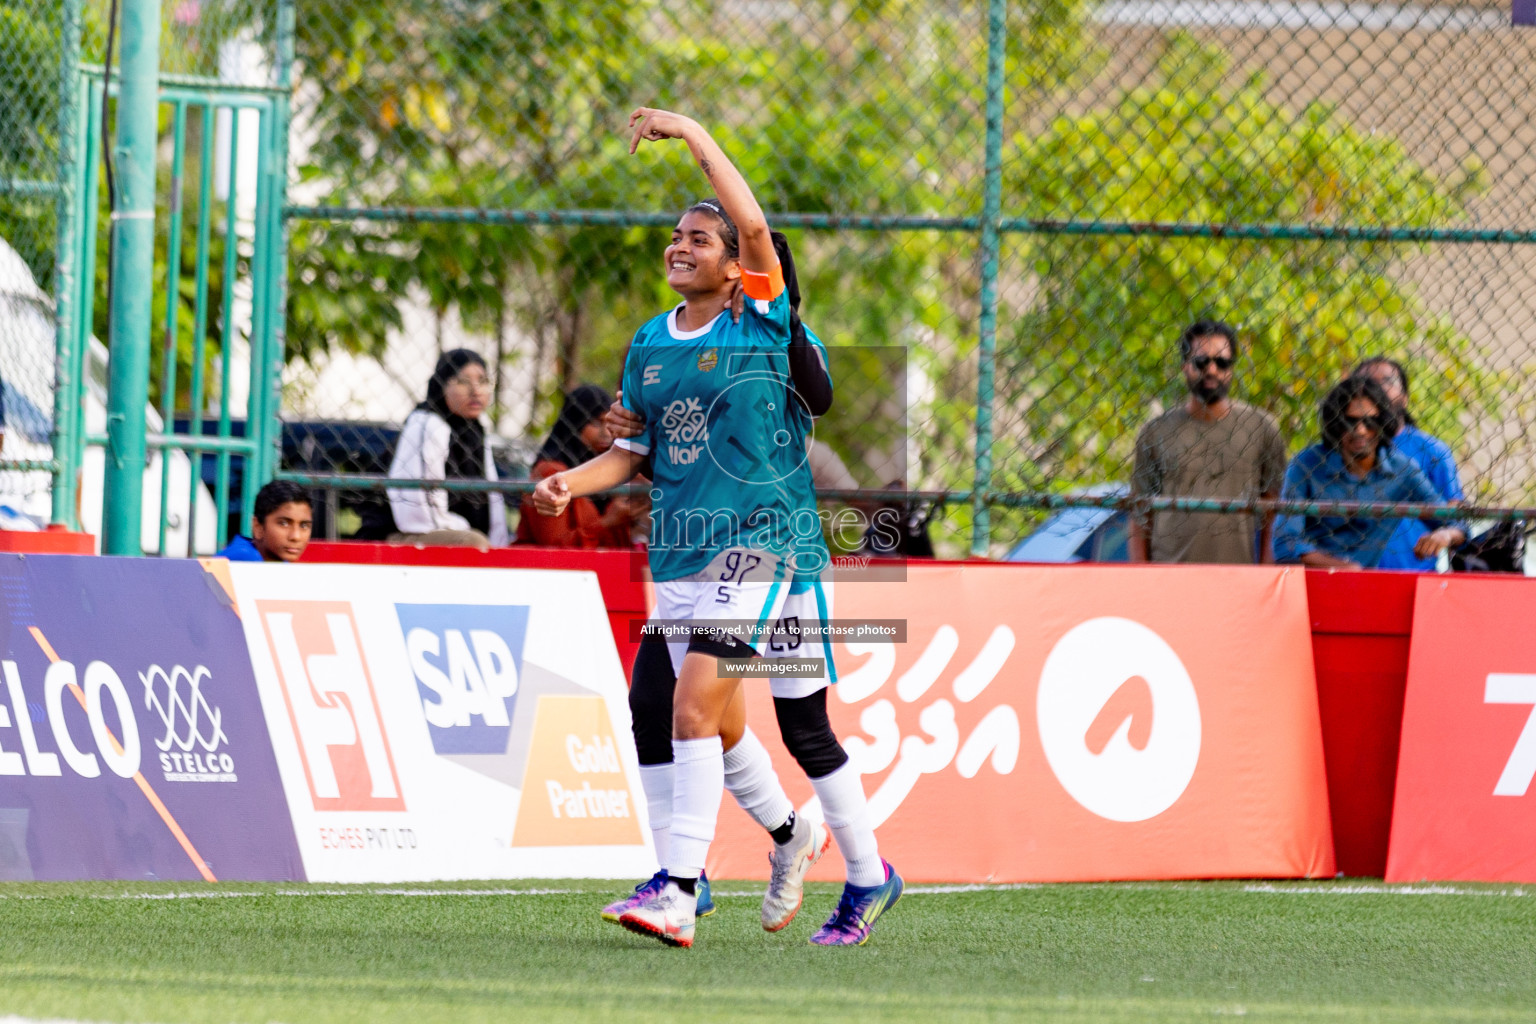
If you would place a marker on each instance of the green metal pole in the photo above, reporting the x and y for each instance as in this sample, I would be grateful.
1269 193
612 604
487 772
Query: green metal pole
133 258
72 173
172 301
991 215
200 318
278 249
227 321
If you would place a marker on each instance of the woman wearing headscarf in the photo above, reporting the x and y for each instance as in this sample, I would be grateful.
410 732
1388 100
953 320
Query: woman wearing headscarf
577 436
444 439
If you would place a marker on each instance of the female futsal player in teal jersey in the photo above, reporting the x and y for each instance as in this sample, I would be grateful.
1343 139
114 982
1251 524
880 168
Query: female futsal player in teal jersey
725 451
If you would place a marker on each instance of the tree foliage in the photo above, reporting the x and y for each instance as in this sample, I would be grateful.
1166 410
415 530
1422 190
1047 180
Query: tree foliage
1087 349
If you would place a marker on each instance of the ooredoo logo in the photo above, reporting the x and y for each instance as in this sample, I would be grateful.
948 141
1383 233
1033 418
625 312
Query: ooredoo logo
1119 719
331 704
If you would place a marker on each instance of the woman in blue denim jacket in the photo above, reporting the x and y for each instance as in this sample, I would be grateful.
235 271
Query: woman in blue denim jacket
1355 461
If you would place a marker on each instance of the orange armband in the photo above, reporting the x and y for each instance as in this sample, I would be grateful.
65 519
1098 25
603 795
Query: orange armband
766 287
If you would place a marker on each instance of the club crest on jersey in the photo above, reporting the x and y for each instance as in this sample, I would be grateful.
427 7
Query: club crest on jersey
709 359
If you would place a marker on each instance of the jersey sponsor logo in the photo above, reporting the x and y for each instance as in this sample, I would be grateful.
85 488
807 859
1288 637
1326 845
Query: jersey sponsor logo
709 359
1119 719
652 375
467 660
575 791
684 421
190 750
331 705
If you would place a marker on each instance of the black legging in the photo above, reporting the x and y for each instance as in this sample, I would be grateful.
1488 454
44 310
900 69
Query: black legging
803 722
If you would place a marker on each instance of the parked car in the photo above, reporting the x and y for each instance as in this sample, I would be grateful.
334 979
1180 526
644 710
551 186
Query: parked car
340 447
1079 534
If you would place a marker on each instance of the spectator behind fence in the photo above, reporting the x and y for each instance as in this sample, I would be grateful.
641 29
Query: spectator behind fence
1432 455
443 439
579 434
1355 461
1210 447
280 526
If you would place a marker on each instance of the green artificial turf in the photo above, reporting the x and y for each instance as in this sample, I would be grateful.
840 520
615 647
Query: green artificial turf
1344 951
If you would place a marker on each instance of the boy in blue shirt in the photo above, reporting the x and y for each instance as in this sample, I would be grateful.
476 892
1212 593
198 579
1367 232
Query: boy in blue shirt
281 524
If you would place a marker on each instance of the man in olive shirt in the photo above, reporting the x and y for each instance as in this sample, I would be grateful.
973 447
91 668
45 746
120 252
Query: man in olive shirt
1210 447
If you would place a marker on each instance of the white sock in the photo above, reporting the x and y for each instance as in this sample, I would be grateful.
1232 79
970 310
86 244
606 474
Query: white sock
750 777
847 814
656 780
698 782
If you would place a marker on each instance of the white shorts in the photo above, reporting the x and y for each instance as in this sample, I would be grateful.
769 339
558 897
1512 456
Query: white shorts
739 587
810 605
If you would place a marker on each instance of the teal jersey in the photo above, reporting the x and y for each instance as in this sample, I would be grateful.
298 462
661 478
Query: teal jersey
811 556
725 436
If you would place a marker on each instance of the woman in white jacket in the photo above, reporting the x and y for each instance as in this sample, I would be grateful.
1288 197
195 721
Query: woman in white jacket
443 439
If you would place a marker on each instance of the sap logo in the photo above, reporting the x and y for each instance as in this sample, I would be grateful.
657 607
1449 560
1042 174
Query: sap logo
652 375
684 421
331 705
120 751
684 455
467 660
194 728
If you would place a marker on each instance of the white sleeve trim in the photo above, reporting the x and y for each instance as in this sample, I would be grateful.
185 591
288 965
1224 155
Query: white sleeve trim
631 444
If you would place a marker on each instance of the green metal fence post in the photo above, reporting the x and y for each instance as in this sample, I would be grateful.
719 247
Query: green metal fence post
991 216
277 250
72 172
133 258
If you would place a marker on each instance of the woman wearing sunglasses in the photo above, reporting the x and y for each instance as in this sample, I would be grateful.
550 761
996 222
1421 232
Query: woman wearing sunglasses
1355 461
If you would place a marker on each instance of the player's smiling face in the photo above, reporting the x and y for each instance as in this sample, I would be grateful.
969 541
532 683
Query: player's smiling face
696 261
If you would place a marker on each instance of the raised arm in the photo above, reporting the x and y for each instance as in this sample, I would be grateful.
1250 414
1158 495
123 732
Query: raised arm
735 194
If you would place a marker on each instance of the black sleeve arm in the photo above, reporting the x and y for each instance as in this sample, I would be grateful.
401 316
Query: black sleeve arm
809 373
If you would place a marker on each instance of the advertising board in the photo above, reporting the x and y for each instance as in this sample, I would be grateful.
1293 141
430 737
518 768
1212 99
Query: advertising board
1465 807
446 723
132 741
1074 724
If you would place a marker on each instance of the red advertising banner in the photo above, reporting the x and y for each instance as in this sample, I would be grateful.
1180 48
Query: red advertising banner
1466 807
1061 724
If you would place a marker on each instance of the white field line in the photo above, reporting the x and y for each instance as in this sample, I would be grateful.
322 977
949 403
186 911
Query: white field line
291 892
1267 888
1383 889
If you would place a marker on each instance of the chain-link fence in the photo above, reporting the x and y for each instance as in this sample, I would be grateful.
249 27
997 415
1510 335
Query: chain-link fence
1336 180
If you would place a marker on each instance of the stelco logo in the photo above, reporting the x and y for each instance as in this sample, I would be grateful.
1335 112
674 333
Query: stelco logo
119 753
1118 719
194 730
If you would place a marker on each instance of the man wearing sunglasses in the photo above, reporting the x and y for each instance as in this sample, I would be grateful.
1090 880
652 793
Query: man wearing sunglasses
1211 446
1354 461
